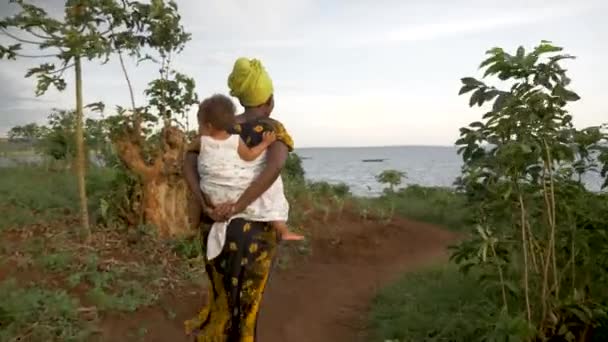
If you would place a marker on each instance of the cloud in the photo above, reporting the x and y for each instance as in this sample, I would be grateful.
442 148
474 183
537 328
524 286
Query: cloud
363 28
245 18
349 72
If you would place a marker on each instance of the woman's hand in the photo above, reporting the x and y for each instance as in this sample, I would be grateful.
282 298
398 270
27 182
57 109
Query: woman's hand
210 213
224 211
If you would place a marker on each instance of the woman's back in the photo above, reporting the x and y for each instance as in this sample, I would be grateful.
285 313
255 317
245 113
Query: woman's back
224 175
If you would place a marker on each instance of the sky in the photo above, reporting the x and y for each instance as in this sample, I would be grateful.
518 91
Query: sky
350 72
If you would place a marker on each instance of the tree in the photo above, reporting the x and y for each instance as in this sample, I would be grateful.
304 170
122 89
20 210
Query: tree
539 236
86 32
28 133
392 178
56 139
59 141
155 156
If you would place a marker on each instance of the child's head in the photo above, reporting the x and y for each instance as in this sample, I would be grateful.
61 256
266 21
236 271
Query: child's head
216 113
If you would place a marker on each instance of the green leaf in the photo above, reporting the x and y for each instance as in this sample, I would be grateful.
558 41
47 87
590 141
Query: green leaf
521 52
489 95
565 94
9 52
580 314
492 70
546 47
477 95
470 81
488 61
529 60
511 286
501 101
525 148
466 88
96 106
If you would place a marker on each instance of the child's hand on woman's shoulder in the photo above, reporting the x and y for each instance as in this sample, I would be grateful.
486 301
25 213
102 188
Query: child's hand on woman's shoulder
269 137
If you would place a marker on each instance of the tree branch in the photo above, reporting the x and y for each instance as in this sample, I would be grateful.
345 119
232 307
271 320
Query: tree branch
37 35
130 153
21 40
64 68
35 56
136 115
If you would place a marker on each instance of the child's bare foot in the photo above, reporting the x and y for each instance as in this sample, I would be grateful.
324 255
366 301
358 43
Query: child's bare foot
289 236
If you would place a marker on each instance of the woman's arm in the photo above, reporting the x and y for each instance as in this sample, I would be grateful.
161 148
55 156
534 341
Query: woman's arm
192 177
275 160
251 153
193 181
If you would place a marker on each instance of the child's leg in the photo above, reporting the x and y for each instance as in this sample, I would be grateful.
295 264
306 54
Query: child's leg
281 227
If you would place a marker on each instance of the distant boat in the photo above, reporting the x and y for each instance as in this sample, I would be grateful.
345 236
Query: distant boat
373 160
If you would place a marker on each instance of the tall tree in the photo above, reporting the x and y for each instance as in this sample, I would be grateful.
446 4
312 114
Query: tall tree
539 231
86 31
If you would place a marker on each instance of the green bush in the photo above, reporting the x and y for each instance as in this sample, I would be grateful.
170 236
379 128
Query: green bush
293 168
328 190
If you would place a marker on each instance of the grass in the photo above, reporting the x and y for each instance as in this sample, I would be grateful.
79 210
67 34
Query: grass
42 206
440 206
15 148
36 195
39 314
53 283
439 304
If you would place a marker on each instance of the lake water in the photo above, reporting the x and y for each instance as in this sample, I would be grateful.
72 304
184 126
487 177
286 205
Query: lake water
433 166
424 165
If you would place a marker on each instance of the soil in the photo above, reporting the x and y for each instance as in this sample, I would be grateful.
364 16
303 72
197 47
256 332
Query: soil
321 297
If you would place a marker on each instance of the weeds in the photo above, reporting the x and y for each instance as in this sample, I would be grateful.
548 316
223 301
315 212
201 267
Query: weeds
123 296
36 314
59 261
188 248
110 288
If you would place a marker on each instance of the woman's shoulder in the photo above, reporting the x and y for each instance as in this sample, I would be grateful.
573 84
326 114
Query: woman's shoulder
256 128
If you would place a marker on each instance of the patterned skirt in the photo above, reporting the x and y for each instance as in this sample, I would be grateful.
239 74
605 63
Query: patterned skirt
237 278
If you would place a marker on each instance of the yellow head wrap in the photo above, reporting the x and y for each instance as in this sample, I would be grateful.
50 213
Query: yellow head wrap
249 82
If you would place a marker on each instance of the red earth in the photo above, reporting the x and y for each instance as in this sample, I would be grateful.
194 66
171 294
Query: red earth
321 297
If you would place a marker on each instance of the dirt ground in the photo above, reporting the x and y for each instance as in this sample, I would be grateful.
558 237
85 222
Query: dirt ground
322 297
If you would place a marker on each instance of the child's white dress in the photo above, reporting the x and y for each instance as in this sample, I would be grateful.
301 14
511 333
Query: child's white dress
225 176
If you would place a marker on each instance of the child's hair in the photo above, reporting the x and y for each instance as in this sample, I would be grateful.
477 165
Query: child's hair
218 111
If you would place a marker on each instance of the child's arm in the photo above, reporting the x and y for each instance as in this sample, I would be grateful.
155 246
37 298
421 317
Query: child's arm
248 154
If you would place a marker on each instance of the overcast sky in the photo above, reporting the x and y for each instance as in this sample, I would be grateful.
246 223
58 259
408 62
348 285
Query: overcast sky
352 72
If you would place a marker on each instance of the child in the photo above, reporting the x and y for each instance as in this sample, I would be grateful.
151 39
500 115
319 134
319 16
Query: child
227 166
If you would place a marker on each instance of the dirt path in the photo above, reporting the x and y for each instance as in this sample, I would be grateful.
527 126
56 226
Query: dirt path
325 297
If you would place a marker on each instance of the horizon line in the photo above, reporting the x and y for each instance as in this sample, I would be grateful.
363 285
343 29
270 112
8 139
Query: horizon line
373 146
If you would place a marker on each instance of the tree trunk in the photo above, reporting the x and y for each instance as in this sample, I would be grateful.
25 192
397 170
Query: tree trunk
166 197
80 163
166 206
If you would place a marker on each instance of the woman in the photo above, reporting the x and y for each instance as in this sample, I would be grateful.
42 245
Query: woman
239 274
